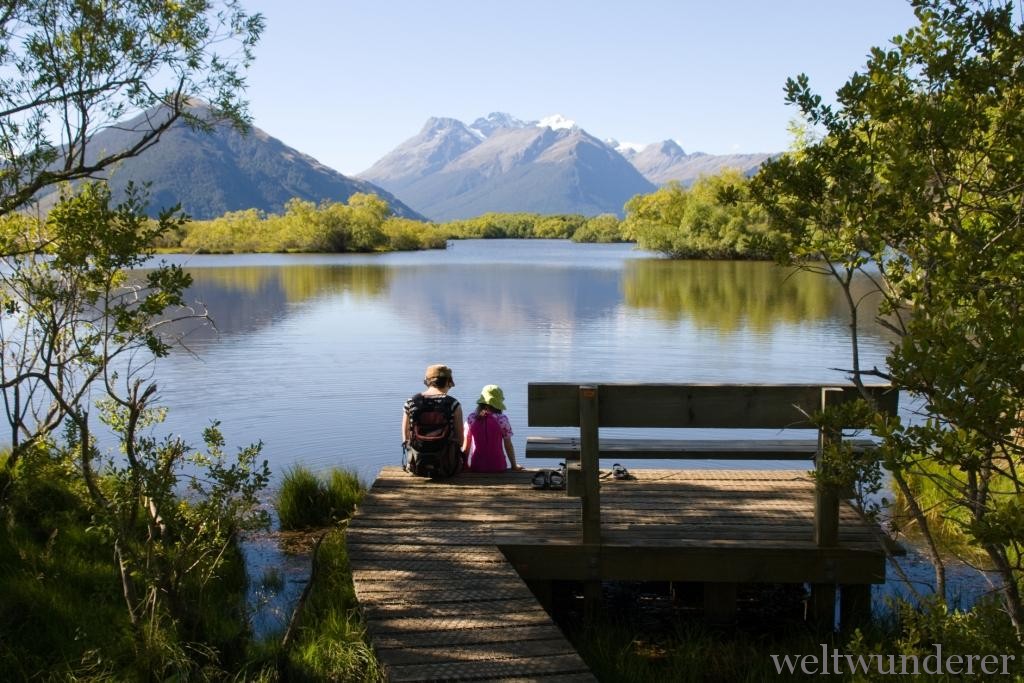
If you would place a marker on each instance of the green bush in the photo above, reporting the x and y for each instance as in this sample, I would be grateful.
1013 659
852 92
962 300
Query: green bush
306 501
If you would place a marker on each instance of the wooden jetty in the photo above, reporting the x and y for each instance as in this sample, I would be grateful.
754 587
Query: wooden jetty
441 600
451 574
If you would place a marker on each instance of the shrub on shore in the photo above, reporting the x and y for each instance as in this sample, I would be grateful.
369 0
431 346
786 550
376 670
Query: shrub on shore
307 501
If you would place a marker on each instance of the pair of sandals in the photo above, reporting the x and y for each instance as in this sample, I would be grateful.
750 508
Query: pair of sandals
549 479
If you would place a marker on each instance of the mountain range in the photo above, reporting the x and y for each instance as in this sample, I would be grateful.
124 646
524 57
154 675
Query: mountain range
452 170
449 170
224 170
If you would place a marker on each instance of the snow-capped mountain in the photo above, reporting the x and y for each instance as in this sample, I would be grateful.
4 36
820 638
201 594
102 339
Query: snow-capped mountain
501 163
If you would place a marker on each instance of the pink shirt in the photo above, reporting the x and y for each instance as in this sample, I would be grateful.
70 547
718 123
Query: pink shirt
487 433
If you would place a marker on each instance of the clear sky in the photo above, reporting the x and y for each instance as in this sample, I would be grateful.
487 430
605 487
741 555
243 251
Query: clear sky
346 81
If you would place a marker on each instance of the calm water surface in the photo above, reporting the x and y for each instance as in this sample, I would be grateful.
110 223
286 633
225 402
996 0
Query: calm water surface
314 355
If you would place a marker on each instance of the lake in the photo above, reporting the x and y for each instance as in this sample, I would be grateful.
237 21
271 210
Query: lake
314 355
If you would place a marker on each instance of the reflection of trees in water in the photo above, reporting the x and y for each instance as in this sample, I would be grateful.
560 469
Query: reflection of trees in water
297 283
244 298
726 295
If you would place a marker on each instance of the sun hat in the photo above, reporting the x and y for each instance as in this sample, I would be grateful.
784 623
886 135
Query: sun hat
493 396
439 372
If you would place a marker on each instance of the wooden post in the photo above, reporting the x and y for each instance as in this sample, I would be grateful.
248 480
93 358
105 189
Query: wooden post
589 463
826 497
591 503
826 522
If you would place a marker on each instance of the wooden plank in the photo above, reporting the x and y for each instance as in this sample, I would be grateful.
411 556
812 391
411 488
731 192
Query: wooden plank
706 406
534 666
475 652
568 448
446 638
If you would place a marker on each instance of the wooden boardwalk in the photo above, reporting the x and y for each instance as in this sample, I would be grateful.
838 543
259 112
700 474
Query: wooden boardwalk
439 567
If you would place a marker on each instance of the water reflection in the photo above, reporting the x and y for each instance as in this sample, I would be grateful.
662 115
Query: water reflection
246 298
720 295
503 299
727 295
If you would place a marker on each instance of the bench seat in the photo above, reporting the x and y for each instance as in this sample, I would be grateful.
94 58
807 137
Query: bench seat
568 448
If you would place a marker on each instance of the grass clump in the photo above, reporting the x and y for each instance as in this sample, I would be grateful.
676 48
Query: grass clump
307 501
330 641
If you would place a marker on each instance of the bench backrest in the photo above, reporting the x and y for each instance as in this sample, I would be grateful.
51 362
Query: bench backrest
707 406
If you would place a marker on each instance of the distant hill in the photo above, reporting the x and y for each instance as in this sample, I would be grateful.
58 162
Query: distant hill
212 173
662 162
450 170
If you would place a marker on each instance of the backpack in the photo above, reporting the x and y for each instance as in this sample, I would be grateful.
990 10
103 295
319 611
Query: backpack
432 451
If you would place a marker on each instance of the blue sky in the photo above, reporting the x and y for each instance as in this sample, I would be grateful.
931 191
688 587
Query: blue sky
347 81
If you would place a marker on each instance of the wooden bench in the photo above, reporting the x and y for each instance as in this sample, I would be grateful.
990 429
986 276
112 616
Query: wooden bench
591 407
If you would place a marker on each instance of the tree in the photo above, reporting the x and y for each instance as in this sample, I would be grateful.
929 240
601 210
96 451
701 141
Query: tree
81 327
917 184
84 65
709 220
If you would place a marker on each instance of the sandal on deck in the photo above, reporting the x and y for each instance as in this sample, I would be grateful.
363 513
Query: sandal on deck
620 472
556 480
542 479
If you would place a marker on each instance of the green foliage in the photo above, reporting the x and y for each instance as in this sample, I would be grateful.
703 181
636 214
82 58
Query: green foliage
984 630
306 501
916 183
78 66
363 224
331 644
63 608
603 228
515 226
712 219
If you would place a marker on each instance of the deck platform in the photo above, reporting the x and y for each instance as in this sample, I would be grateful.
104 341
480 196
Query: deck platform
440 568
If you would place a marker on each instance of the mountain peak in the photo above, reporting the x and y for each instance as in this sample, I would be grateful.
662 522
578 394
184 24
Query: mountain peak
557 122
441 125
496 120
669 148
626 149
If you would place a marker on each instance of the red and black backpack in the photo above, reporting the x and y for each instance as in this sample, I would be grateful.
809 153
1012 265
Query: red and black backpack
431 450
